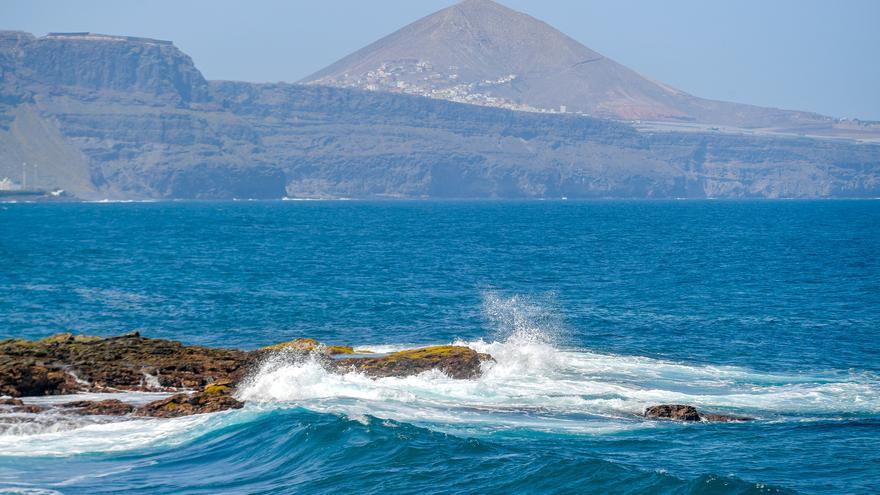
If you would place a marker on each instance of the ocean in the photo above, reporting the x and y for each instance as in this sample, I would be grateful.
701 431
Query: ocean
592 310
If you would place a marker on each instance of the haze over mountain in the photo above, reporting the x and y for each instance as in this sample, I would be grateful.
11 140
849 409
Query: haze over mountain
481 52
105 116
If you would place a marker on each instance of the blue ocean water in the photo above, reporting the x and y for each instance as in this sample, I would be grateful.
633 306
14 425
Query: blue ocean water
593 310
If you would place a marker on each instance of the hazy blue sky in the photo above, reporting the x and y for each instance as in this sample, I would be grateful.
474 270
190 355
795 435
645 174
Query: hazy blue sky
818 55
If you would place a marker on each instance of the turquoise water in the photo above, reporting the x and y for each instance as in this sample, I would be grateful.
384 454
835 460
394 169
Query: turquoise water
593 311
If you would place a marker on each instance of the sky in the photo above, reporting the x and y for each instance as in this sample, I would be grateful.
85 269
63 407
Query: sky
816 55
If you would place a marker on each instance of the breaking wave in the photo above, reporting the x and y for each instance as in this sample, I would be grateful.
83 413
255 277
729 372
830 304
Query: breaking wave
534 385
538 389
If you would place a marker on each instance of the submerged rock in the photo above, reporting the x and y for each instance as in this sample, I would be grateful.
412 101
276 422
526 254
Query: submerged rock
681 412
723 418
455 361
18 406
110 407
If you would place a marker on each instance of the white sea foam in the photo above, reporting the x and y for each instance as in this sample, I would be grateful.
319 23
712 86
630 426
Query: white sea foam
152 381
534 384
537 386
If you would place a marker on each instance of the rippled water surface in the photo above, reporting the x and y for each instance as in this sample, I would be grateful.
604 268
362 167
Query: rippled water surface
593 311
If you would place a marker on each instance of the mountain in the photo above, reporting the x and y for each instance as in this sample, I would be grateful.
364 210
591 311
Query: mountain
119 117
478 51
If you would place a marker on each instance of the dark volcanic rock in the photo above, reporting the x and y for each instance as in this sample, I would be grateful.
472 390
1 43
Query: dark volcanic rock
673 411
29 378
110 407
455 361
680 412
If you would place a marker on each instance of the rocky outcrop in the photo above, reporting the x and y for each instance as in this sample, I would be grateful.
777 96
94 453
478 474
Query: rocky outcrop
204 377
454 361
65 363
214 398
680 412
457 362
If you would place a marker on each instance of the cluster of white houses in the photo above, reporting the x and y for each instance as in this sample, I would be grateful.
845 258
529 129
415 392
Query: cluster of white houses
419 77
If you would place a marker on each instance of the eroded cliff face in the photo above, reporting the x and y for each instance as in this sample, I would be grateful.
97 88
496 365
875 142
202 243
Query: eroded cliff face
124 118
136 112
84 62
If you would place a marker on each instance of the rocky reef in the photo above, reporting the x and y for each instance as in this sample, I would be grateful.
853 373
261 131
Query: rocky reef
204 379
681 412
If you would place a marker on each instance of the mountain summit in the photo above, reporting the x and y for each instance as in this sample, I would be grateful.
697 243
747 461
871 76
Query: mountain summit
481 52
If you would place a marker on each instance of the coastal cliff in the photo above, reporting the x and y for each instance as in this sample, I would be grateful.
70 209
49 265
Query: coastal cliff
131 118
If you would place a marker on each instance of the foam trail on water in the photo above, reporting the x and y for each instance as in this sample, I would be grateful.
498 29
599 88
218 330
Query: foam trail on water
60 434
535 385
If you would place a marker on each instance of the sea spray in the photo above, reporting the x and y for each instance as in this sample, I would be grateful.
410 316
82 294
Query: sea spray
526 318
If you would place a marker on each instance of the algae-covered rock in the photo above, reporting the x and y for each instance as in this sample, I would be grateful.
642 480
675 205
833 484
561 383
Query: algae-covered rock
300 345
214 398
67 337
305 345
335 350
455 361
65 363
